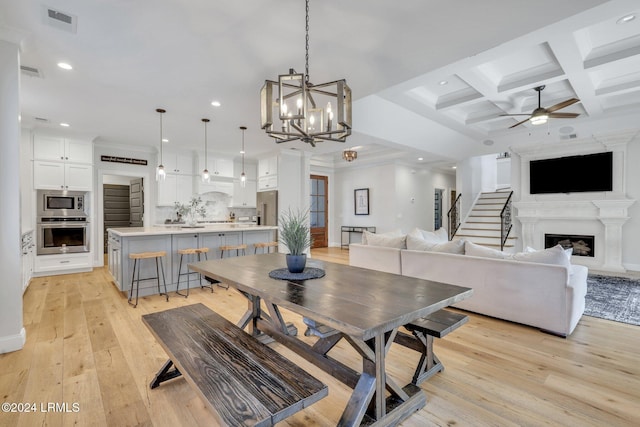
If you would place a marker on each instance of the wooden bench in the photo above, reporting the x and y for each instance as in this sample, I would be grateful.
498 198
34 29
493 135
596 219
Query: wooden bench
244 382
435 325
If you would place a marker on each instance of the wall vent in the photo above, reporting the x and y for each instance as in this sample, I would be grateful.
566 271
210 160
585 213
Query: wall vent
31 71
60 20
570 136
41 120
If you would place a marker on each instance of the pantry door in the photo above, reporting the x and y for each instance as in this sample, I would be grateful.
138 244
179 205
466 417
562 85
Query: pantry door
318 212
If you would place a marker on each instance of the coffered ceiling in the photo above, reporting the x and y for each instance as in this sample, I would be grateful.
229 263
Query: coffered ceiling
430 79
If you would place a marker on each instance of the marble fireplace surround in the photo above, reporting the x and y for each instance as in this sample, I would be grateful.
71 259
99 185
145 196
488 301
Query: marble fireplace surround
601 214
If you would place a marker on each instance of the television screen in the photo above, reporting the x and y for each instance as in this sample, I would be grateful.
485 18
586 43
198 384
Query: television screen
574 174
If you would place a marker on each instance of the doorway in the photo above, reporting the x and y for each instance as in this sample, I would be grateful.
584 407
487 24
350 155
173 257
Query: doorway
318 211
122 203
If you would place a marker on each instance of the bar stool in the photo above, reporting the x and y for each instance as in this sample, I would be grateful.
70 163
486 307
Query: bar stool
190 253
137 259
231 248
265 247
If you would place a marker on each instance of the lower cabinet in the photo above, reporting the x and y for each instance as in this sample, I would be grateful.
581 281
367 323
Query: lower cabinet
153 243
213 241
53 263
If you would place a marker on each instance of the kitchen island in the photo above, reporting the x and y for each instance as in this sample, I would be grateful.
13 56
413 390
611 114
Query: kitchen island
123 241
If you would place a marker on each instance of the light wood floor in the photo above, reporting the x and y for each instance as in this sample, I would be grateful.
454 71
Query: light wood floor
87 346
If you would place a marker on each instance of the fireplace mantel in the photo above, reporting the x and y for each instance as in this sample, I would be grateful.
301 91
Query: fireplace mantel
601 214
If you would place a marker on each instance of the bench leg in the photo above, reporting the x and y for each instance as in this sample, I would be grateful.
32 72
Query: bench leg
429 363
164 374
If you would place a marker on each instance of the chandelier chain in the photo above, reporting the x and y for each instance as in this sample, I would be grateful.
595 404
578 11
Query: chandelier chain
307 45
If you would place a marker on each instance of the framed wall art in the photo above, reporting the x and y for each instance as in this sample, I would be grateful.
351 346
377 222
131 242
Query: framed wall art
361 201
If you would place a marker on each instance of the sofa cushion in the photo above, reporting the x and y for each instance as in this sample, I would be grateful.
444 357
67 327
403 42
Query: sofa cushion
555 255
366 234
388 240
473 249
438 236
419 244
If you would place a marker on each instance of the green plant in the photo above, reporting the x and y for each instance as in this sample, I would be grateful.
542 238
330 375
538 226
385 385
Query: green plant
194 208
294 231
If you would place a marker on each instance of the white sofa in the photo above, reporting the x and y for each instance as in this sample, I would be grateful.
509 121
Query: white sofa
546 296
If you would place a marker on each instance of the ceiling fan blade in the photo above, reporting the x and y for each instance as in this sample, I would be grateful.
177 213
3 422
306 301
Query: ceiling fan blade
563 115
562 104
501 115
519 123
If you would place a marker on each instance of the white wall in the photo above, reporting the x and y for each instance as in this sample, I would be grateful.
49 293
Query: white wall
391 190
631 235
12 332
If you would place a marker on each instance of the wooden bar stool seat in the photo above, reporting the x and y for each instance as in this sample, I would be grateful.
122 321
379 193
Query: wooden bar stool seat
137 259
265 247
236 248
192 254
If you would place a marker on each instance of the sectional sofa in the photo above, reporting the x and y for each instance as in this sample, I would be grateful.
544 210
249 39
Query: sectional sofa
536 288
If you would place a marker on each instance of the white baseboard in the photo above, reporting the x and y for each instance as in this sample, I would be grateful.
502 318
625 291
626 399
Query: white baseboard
13 342
632 267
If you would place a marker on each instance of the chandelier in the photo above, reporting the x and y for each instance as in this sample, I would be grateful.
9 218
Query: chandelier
294 108
349 155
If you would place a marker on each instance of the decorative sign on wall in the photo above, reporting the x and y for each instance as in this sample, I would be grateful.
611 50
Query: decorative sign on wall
127 160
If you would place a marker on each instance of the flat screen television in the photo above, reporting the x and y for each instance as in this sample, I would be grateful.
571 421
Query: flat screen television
573 174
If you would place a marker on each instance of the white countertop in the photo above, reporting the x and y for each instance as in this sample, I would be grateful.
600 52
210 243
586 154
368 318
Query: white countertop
182 229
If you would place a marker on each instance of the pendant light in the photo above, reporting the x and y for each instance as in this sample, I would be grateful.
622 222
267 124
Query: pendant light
161 174
243 177
205 173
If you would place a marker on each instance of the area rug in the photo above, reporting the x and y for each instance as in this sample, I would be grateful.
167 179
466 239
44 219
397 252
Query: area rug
613 298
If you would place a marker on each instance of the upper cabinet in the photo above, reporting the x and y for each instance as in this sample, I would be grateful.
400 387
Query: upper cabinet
268 166
62 164
179 163
62 149
219 167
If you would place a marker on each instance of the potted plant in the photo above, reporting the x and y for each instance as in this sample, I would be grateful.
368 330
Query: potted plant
295 235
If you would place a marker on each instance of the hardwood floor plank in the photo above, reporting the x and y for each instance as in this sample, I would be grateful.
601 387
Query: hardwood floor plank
85 344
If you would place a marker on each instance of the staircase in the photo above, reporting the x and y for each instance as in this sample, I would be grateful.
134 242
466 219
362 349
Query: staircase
482 226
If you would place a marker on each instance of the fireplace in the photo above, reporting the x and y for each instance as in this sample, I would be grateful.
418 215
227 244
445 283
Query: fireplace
582 245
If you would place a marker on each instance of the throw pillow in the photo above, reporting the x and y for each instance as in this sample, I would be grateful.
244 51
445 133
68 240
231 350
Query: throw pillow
398 242
429 236
419 244
366 234
442 234
554 255
473 249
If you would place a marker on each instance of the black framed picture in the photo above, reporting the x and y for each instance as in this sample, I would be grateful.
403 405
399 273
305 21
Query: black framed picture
361 201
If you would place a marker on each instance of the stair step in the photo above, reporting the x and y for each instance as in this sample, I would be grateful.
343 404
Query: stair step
465 232
488 212
481 226
483 218
486 241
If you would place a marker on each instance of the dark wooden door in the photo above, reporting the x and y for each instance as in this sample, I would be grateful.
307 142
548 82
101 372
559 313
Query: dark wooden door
116 208
136 202
319 209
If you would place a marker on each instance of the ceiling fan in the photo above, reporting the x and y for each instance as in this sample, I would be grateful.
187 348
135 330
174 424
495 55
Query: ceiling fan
541 115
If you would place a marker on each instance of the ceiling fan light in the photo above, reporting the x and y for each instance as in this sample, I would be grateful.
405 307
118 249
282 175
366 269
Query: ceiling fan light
539 119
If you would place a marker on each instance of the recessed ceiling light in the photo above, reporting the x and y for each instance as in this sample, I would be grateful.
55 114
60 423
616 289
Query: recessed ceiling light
215 103
65 66
626 18
487 142
420 158
165 140
454 167
66 125
443 82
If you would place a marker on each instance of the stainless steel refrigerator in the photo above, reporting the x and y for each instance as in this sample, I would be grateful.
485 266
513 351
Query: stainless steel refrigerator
267 207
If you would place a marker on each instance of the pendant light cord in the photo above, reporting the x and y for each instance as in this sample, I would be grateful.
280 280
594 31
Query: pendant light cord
307 45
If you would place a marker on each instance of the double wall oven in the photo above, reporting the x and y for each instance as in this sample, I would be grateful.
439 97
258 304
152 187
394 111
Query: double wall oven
63 226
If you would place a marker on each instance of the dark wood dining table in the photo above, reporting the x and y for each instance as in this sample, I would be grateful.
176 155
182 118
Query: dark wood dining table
365 307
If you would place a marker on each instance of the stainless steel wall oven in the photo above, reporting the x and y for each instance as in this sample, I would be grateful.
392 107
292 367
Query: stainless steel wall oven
62 223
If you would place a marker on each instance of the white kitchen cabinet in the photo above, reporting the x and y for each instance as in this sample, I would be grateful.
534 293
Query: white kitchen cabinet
219 167
62 176
268 166
266 183
179 163
175 188
62 149
250 170
244 197
56 263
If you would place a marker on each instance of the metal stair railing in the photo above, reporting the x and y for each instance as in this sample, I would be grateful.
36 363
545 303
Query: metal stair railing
453 217
505 221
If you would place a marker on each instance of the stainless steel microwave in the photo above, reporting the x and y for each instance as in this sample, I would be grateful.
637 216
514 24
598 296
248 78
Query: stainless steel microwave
59 204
